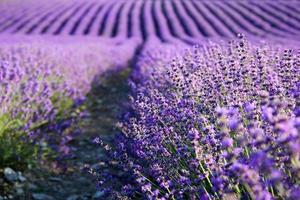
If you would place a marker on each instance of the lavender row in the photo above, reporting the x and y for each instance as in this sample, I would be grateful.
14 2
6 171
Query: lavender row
218 121
43 84
165 20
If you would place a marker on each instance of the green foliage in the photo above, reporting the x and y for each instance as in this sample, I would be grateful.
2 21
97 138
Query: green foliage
63 104
15 149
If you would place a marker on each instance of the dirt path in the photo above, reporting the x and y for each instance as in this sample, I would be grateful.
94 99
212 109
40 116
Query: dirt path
105 103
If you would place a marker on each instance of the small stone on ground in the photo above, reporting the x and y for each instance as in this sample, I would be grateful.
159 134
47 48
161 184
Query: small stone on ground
41 196
10 175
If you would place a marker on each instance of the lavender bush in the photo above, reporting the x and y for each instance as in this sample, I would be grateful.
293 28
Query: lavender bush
222 123
40 98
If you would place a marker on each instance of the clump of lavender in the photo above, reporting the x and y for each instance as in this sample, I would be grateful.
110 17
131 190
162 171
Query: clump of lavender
42 87
225 122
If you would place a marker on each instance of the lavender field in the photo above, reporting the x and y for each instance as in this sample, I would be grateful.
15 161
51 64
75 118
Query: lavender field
149 99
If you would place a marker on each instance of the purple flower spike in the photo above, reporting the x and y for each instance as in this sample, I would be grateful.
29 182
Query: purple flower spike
227 142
